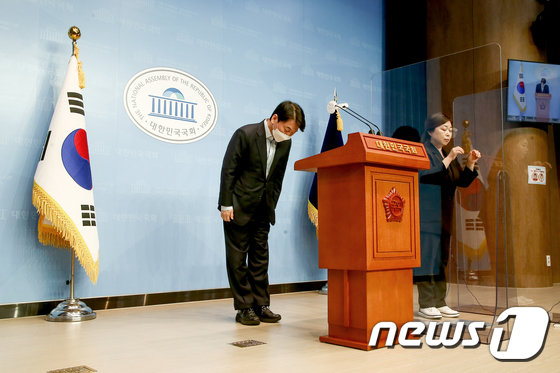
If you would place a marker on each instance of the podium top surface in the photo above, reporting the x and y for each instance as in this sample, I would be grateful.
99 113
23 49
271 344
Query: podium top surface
362 148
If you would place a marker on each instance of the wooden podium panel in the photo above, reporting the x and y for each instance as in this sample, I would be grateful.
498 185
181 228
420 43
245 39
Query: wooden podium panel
396 243
354 196
352 315
369 232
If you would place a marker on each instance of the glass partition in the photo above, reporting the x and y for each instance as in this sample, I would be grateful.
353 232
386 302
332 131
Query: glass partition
466 87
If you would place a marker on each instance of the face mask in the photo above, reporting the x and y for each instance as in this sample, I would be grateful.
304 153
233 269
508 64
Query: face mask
279 136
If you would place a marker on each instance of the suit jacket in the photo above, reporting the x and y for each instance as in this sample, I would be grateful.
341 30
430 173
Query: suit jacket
437 191
542 90
243 182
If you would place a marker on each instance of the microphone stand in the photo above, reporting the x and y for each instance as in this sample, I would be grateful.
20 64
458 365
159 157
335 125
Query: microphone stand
360 118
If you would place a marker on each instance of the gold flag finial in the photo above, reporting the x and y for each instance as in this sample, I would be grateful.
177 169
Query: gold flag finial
74 33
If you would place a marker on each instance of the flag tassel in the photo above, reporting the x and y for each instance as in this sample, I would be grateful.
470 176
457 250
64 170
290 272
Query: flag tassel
81 74
313 214
339 124
65 230
49 236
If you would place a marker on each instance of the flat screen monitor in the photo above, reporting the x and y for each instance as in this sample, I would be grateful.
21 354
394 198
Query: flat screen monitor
533 93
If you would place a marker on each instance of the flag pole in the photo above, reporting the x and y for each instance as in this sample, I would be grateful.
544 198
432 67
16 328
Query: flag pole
72 275
72 309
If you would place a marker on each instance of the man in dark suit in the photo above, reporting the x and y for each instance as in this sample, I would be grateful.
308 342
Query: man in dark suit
542 87
251 180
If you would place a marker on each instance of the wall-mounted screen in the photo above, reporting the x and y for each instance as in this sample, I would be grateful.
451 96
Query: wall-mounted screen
533 92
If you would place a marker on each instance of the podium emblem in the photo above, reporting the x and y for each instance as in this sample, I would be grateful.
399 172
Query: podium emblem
394 206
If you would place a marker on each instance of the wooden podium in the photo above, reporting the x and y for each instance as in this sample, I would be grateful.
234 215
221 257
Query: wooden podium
369 233
542 106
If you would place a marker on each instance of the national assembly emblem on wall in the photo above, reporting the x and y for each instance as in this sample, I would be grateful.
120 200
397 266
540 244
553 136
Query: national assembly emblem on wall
170 105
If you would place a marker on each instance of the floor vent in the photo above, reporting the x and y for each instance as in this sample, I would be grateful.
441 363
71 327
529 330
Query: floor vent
248 343
80 369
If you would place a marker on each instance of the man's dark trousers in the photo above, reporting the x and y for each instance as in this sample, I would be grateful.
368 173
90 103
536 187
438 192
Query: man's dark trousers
247 260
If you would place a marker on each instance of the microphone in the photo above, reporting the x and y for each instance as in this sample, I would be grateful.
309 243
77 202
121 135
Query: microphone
333 105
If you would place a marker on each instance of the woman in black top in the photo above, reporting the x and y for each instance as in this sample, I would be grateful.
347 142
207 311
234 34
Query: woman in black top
437 189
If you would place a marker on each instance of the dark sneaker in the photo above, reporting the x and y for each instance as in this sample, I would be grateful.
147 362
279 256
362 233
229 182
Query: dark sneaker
247 317
266 315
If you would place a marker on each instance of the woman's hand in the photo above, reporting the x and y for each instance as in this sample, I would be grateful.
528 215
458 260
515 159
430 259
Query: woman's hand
453 153
472 158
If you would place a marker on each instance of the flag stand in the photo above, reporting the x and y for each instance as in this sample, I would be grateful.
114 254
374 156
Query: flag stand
71 309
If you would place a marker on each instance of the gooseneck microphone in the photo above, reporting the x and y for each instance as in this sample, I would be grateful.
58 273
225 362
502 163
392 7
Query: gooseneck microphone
333 105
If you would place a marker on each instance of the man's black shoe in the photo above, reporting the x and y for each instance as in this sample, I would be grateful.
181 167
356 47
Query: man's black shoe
247 317
266 315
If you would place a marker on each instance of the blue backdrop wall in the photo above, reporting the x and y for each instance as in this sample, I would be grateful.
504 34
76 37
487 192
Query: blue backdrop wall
159 228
